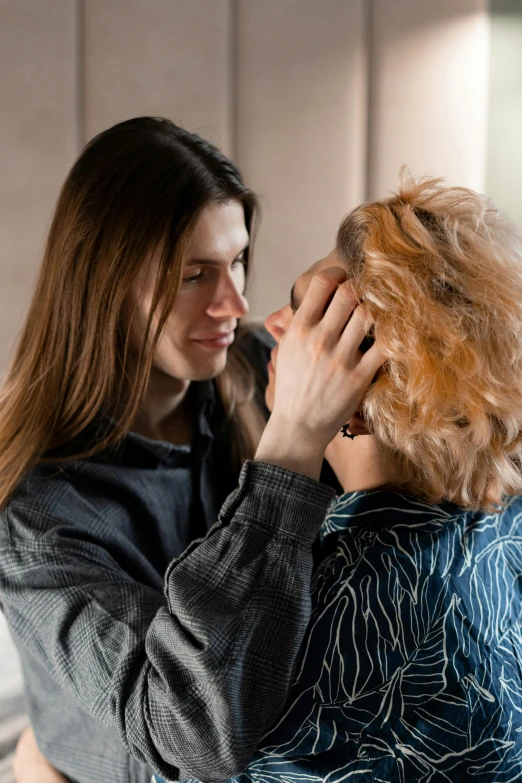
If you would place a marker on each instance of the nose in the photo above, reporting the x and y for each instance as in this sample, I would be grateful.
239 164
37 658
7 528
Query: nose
277 323
228 301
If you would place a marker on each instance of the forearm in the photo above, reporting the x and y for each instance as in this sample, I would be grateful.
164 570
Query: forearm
289 448
190 680
241 599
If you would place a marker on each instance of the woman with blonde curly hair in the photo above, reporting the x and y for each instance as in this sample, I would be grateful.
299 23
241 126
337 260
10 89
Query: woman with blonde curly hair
411 669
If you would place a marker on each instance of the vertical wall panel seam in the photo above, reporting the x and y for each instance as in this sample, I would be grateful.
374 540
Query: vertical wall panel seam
370 130
80 74
233 56
488 11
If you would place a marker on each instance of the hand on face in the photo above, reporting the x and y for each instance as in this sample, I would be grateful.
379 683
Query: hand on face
321 374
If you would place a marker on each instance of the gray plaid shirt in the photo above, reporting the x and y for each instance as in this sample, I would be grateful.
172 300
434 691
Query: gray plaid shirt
137 657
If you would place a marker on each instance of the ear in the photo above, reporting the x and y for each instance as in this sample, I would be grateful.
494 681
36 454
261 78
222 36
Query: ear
356 424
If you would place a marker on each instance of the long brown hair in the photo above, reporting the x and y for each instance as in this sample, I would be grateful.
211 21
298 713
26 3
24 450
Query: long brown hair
136 187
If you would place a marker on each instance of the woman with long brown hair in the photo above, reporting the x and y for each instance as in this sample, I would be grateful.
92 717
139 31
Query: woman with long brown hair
122 431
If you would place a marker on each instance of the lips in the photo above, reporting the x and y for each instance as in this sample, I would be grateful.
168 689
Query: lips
217 340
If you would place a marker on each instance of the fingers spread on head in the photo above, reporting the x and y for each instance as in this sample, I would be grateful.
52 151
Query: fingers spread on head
339 310
372 361
322 288
356 329
355 332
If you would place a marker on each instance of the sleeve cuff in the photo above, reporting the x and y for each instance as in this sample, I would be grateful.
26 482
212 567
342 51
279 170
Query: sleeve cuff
280 499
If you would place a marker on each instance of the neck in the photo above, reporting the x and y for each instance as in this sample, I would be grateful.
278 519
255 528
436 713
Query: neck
357 463
165 412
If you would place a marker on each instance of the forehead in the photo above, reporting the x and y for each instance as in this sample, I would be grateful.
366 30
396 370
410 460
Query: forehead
219 233
303 281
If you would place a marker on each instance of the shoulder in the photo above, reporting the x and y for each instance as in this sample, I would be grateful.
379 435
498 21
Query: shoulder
57 533
387 557
408 603
42 505
376 525
58 502
394 565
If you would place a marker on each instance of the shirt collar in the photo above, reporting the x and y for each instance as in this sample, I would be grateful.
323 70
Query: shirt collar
205 393
383 508
134 444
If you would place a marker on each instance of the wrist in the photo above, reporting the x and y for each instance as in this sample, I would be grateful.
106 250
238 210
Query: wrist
292 448
298 432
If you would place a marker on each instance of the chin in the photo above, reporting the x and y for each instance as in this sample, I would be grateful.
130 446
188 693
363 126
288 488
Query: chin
189 369
205 371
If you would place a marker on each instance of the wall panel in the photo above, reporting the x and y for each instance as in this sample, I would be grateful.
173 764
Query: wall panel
504 160
429 84
301 127
38 135
288 87
164 57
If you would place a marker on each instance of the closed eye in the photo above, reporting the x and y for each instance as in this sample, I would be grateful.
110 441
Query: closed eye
240 261
193 278
294 304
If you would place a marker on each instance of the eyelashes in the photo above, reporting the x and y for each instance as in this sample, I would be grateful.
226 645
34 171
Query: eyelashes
194 278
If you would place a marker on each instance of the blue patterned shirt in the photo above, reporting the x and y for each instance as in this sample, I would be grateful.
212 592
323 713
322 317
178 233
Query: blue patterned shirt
411 669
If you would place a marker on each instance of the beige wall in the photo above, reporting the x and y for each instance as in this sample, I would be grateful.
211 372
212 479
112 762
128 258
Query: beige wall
165 57
504 159
301 130
429 90
38 140
320 102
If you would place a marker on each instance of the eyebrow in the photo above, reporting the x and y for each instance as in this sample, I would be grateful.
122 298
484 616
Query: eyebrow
294 304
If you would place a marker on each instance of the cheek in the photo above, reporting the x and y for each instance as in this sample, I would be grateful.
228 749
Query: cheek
174 343
270 392
277 323
187 312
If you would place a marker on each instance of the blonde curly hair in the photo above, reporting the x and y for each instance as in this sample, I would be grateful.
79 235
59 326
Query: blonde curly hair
440 270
